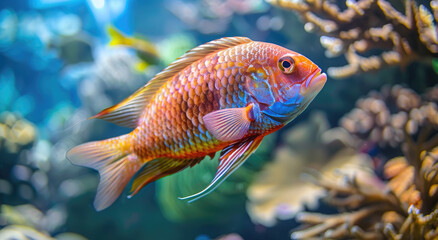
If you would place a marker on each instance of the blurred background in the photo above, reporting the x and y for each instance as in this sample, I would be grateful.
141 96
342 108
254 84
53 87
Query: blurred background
62 61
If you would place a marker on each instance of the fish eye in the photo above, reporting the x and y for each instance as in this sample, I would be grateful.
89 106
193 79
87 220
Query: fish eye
286 64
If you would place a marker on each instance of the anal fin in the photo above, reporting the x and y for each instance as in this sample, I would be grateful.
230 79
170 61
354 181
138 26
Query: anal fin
157 169
232 157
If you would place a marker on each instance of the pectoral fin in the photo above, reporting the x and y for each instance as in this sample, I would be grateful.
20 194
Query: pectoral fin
230 124
231 158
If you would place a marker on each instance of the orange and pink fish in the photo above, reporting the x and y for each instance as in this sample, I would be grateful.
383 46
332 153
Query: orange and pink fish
225 95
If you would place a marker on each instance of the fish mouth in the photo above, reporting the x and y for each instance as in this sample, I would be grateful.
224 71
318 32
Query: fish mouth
314 83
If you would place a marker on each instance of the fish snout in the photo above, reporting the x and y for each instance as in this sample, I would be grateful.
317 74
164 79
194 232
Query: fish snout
313 84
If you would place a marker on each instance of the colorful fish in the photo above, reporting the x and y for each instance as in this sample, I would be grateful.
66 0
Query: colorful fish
223 95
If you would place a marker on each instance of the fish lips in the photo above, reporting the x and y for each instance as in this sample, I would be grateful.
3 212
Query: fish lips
313 84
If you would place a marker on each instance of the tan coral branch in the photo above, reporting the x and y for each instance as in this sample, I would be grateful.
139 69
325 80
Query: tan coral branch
370 25
340 224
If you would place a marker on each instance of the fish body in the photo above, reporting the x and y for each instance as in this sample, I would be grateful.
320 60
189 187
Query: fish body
73 49
224 95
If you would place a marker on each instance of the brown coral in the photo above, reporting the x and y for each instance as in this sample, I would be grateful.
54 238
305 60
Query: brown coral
385 117
369 25
280 191
396 210
405 206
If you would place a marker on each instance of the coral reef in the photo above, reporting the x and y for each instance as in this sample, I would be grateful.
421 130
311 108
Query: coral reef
371 34
394 210
404 206
280 191
385 117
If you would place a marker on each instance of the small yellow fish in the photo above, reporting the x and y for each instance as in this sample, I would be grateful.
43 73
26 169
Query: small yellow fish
145 50
223 95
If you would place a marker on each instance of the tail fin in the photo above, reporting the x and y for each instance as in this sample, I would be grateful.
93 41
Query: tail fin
115 163
117 37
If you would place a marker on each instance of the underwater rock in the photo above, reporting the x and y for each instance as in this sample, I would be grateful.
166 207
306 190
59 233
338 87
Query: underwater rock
373 28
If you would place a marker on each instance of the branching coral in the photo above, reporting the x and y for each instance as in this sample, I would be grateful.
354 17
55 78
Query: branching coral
424 198
279 191
371 209
404 207
380 117
369 25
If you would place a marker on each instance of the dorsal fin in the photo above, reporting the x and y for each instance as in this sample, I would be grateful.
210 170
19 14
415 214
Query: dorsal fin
127 112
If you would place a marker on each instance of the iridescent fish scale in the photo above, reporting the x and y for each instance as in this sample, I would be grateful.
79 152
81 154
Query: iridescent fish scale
205 86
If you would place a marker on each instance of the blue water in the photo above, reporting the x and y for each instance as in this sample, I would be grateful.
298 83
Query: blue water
57 69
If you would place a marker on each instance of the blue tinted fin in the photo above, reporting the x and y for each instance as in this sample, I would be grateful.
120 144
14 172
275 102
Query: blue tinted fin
231 158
